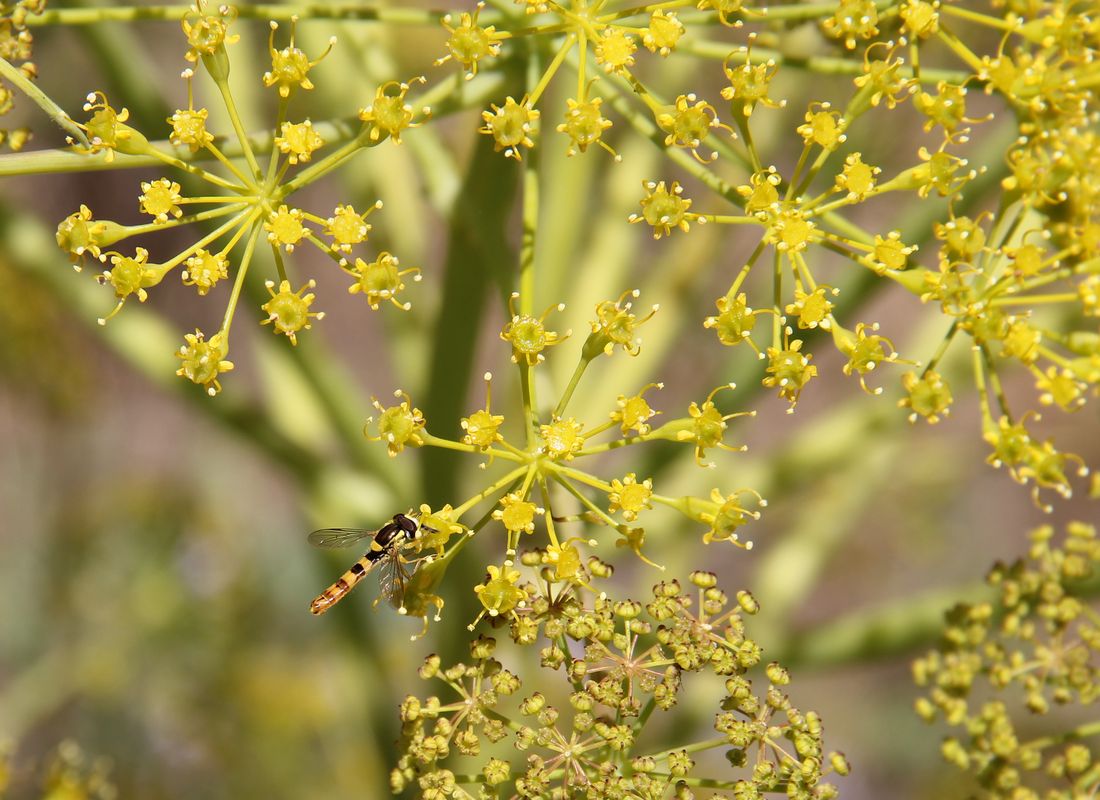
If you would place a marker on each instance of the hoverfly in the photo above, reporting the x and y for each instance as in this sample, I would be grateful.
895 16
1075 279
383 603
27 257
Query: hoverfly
397 537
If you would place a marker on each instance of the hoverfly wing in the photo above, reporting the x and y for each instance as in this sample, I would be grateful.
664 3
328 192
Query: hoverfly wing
393 578
339 537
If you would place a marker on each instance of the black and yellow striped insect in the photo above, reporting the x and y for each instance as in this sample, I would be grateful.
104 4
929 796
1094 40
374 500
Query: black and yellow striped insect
395 539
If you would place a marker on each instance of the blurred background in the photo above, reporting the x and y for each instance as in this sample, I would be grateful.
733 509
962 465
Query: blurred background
155 640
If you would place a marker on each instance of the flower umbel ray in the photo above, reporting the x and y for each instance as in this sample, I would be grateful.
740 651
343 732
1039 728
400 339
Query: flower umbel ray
524 498
244 199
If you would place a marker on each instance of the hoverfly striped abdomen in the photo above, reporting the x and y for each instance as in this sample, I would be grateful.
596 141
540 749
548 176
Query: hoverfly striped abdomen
384 549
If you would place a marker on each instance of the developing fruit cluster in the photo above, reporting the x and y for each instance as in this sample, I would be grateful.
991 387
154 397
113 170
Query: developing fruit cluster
617 666
1037 645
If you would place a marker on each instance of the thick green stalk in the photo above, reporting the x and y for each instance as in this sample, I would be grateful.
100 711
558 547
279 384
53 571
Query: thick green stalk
478 254
281 13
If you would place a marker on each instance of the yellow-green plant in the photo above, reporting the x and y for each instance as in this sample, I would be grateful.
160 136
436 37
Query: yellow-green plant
975 221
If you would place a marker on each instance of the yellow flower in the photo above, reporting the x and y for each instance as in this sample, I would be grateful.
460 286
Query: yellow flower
789 370
562 438
482 427
347 227
469 42
630 496
517 514
107 129
688 123
823 127
663 32
511 126
204 360
160 199
208 33
381 280
390 113
634 412
615 50
857 178
287 311
499 593
584 125
749 83
565 558
299 141
663 208
528 335
205 269
813 309
290 66
928 396
399 426
616 325
285 227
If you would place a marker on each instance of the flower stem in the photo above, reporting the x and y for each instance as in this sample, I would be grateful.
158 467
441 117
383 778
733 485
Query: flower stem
582 365
495 487
238 127
242 270
19 79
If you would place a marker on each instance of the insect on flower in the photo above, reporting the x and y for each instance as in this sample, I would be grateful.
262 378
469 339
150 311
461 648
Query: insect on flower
391 542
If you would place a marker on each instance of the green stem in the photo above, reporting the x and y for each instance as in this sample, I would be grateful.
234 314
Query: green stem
586 502
819 65
495 487
68 160
441 97
942 348
578 475
527 243
214 235
447 444
612 445
187 219
551 532
326 165
563 51
209 177
238 128
282 13
527 389
582 365
708 744
242 270
709 783
19 79
1065 297
273 162
981 19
